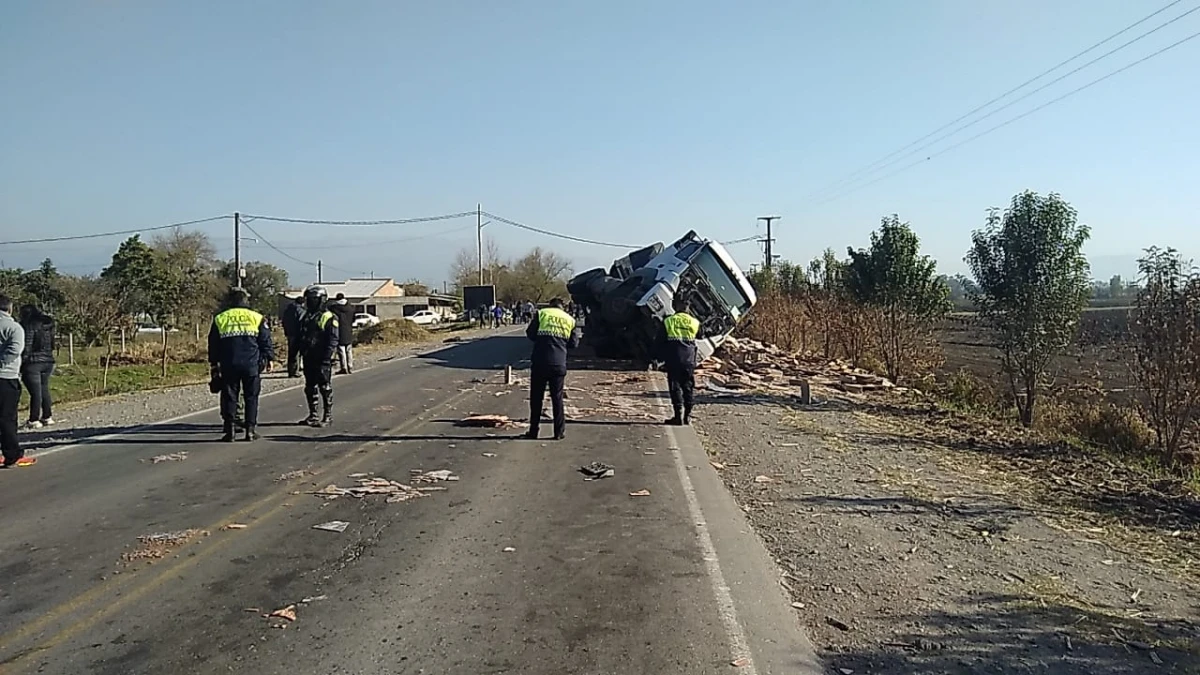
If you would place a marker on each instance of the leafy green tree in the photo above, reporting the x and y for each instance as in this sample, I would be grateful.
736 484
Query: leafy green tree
903 290
1033 284
131 277
185 287
263 281
42 287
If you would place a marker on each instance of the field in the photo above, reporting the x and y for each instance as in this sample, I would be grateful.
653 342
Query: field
1098 364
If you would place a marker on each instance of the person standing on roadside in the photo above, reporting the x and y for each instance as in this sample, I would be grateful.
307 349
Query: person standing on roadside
318 344
552 332
239 351
497 315
344 313
679 352
12 344
293 314
37 364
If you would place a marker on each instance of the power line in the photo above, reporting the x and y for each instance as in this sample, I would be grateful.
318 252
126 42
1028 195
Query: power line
884 162
1023 115
548 233
361 223
114 233
743 240
277 249
378 243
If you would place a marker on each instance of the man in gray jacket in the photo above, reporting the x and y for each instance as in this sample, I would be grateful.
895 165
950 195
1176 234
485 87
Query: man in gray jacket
12 343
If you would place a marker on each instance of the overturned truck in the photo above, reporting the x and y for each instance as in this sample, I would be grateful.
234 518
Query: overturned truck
626 304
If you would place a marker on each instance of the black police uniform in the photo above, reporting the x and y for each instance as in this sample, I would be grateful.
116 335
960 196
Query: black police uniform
293 315
239 350
679 354
318 343
553 333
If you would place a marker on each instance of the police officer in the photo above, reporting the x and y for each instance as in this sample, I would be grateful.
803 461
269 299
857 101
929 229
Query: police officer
679 354
318 344
553 332
239 350
293 314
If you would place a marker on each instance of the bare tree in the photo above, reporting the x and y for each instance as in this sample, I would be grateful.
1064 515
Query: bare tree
1167 343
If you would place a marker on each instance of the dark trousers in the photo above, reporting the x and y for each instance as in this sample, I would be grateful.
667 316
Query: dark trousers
10 401
318 386
36 377
539 381
293 357
682 383
236 382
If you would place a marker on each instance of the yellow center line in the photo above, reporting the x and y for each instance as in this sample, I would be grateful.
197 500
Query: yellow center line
180 563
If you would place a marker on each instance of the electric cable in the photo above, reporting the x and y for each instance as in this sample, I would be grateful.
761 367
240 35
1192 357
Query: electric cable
884 162
997 127
362 223
558 235
114 233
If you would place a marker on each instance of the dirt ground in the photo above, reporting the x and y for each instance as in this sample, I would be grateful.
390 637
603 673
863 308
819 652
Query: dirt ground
1098 365
913 543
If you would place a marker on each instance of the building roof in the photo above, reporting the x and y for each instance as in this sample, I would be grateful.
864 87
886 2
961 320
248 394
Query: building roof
351 288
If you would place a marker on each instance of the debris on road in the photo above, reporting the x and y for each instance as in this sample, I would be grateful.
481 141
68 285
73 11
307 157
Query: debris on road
509 549
288 613
332 526
718 466
419 476
596 471
763 479
838 624
315 598
234 526
489 454
740 663
640 493
172 457
157 546
384 409
396 491
490 422
743 366
293 475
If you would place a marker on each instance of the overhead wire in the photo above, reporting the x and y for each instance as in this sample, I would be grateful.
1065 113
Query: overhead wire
114 233
1023 115
901 153
558 235
362 223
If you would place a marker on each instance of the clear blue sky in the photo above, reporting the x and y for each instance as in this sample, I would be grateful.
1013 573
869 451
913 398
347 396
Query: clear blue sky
628 121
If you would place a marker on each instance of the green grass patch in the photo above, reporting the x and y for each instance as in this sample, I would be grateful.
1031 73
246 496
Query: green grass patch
73 384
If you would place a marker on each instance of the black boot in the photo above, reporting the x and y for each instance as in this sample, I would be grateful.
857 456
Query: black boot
531 435
687 416
675 421
327 405
251 434
313 401
228 429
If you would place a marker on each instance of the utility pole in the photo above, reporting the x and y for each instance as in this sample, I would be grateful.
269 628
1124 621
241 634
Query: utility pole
768 241
237 249
479 237
320 279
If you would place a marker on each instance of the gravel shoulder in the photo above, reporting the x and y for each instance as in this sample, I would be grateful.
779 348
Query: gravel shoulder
76 422
905 553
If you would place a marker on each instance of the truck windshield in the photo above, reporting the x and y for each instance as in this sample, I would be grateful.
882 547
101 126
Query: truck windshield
721 280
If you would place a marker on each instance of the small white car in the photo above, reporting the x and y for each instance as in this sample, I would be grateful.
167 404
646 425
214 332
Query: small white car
362 320
425 317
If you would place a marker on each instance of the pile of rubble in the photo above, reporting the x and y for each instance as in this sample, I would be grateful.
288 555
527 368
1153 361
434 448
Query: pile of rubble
745 365
396 492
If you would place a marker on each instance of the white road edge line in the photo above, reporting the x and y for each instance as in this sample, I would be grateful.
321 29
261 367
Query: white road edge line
196 413
738 644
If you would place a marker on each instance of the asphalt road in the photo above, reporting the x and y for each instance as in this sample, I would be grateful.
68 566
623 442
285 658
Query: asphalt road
518 567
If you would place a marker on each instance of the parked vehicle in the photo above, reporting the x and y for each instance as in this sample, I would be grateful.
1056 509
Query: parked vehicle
425 317
627 303
362 320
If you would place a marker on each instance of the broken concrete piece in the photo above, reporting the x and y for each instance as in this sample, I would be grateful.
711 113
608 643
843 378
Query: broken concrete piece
172 457
490 422
332 526
640 493
288 613
432 476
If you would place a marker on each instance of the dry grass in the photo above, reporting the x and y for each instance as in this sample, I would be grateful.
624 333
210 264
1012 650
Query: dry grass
392 332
